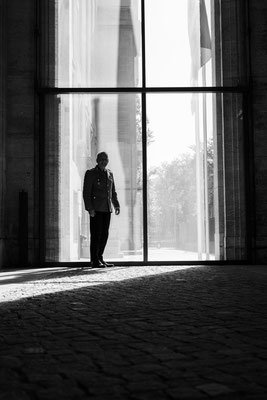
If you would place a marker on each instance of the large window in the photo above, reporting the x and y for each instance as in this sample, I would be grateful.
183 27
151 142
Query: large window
159 85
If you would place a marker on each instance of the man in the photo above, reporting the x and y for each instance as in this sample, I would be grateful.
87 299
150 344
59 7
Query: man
99 195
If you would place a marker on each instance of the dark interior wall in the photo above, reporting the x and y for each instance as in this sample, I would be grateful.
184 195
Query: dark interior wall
17 125
258 60
2 123
19 136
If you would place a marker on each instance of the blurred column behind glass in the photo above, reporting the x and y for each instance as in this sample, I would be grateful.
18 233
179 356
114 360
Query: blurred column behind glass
91 43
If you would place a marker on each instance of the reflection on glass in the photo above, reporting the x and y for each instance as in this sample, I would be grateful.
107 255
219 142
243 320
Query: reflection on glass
77 128
178 42
96 43
195 177
194 43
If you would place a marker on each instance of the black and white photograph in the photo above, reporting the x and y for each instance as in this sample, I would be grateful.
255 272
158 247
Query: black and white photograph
133 199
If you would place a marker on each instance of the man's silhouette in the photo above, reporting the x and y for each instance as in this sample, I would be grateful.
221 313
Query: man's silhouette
99 196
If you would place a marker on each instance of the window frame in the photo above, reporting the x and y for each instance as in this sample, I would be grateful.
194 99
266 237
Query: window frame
143 90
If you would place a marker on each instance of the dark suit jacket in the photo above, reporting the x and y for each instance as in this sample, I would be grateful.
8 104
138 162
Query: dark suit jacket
99 190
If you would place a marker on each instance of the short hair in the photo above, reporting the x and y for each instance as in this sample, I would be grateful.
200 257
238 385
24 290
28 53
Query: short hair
102 153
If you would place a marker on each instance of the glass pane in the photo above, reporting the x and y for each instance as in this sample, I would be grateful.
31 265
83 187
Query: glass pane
92 43
77 128
196 195
194 43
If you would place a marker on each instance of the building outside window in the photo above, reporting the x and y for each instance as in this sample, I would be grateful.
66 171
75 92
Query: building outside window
161 86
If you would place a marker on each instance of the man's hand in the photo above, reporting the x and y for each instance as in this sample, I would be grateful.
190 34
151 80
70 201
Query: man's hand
92 213
117 211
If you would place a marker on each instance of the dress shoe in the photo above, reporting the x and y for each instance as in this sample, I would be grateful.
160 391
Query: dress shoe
97 265
107 265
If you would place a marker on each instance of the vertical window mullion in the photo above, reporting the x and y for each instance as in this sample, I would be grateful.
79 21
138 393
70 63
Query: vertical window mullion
144 169
144 135
143 43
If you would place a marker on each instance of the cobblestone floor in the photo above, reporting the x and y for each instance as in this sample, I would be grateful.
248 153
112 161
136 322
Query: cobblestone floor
134 333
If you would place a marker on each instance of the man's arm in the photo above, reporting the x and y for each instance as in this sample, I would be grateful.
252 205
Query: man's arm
114 198
87 190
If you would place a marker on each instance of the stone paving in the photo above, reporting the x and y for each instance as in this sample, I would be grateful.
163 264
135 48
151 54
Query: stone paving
135 333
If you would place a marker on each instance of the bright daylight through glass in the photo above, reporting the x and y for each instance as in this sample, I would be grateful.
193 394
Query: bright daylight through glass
171 180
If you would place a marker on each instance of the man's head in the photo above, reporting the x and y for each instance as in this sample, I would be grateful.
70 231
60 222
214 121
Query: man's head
102 160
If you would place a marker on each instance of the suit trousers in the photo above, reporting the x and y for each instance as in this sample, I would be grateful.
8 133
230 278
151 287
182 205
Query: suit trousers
99 230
